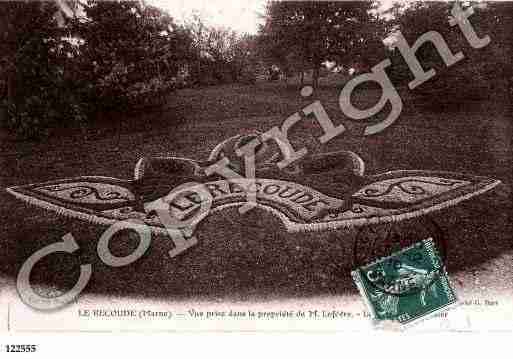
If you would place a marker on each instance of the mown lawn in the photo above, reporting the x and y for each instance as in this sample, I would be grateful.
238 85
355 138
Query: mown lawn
243 257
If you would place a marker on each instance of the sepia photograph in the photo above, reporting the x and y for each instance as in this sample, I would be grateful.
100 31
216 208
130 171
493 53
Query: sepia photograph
255 165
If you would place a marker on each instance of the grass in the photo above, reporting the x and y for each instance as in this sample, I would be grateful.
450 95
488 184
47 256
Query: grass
244 257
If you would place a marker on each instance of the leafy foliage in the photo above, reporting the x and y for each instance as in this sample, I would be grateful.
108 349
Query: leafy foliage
480 73
57 71
33 56
300 35
130 53
221 55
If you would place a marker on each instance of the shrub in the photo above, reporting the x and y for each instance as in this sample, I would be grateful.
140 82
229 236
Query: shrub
120 56
34 117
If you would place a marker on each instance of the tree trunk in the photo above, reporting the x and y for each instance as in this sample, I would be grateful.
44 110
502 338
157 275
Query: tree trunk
3 115
9 95
315 76
302 72
11 86
198 78
510 90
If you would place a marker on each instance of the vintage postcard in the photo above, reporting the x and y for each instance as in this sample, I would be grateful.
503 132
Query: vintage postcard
255 165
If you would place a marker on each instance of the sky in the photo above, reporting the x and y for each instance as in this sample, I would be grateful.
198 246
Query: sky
239 15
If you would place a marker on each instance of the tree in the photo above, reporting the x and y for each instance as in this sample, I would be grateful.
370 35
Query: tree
499 21
130 52
33 53
245 59
221 54
57 66
310 33
482 69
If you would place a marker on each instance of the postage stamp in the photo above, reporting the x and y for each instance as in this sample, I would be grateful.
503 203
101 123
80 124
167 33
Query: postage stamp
406 286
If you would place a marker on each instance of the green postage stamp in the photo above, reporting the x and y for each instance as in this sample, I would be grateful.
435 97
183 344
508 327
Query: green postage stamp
406 286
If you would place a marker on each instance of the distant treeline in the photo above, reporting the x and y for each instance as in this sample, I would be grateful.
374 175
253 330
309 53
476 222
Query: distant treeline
63 62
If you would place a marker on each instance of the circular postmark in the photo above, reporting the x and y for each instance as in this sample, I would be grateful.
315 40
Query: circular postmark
403 275
378 241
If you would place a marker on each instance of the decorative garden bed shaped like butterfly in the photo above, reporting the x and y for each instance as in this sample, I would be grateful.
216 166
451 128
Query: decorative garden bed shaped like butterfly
328 191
